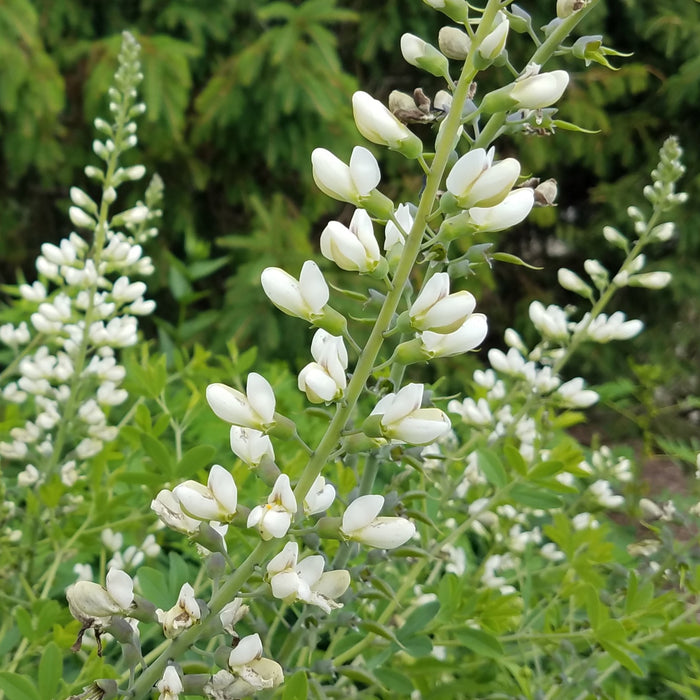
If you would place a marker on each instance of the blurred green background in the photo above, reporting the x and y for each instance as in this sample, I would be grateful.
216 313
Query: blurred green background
239 92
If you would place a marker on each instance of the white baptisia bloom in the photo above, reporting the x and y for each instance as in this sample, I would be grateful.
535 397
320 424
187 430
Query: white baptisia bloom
354 249
167 507
435 309
423 55
250 445
182 615
378 125
495 41
348 183
274 518
248 673
362 523
605 328
403 419
291 580
539 91
170 685
509 212
254 409
320 497
575 395
303 298
550 321
217 500
324 380
475 180
93 606
393 238
467 337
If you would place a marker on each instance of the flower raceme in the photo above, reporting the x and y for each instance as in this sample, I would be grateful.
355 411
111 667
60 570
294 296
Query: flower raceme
353 248
362 523
378 125
399 416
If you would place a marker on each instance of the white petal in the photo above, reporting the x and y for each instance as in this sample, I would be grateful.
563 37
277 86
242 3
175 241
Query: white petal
465 171
407 400
247 649
436 288
286 559
197 500
223 488
261 397
275 523
283 291
310 569
361 512
282 493
386 533
332 175
230 405
284 584
333 584
121 587
364 170
313 286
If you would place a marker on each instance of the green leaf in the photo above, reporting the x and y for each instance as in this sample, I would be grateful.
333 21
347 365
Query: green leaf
357 674
513 260
23 618
194 459
568 126
395 681
545 469
419 646
296 687
620 654
419 620
381 631
534 497
480 642
158 453
515 459
50 671
18 687
492 468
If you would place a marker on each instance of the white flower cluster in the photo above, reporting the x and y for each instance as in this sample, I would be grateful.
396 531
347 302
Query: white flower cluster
83 308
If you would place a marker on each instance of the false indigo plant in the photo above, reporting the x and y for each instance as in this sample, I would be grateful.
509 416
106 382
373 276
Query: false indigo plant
415 544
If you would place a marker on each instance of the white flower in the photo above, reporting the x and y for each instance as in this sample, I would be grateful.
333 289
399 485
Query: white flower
571 281
291 580
304 298
254 409
495 41
250 445
182 615
94 606
509 212
575 395
550 321
362 523
403 419
354 249
422 55
378 125
651 280
435 309
603 329
324 380
320 497
348 183
170 685
274 518
602 492
215 501
168 509
539 91
392 235
475 180
467 337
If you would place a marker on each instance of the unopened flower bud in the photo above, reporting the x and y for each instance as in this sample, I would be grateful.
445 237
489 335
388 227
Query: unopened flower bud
454 43
422 55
